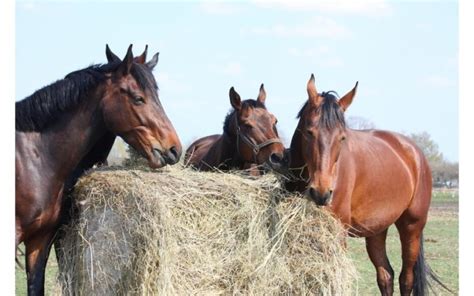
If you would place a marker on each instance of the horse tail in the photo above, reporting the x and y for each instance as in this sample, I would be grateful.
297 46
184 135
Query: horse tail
424 275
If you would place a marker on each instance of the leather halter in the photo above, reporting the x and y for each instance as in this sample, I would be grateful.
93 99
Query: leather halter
251 143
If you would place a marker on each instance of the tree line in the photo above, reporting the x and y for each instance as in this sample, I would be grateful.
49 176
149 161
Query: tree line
445 173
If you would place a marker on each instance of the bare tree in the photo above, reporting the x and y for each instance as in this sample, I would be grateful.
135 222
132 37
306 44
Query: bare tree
444 172
428 146
359 123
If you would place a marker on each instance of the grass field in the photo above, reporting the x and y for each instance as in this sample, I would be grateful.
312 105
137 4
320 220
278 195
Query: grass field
441 247
441 250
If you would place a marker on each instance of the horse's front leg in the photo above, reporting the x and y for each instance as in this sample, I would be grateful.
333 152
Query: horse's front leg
377 253
37 252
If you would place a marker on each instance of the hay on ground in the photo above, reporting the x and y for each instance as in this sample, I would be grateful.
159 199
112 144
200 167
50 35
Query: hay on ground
181 232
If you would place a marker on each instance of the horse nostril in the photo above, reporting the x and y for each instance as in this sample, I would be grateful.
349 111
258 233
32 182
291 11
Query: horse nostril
321 199
172 155
313 193
276 158
175 152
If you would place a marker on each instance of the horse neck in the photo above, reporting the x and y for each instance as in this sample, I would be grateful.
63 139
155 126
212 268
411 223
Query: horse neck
73 135
96 156
229 152
296 161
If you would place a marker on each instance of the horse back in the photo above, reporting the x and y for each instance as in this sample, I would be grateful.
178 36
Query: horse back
414 158
198 150
383 174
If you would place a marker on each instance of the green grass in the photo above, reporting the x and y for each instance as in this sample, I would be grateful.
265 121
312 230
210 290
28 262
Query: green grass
50 281
441 251
441 247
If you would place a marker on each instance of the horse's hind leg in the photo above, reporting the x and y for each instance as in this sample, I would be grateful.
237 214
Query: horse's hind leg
410 232
37 252
377 253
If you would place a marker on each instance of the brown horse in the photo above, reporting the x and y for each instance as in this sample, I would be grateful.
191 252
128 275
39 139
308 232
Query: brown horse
97 156
61 130
369 179
250 139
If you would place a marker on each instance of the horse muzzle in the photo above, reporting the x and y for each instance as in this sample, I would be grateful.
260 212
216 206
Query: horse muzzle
278 162
321 198
170 156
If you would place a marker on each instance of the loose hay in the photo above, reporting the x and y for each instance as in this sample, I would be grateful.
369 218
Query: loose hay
181 232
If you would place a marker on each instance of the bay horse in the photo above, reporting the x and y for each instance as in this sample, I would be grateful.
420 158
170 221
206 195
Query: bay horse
65 128
250 139
97 156
368 179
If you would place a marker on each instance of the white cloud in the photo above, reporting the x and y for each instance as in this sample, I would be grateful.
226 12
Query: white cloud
319 26
333 62
27 5
358 7
232 68
315 52
320 55
425 27
168 84
219 8
436 80
453 61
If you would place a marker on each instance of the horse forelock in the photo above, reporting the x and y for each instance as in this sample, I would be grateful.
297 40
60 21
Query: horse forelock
329 111
245 104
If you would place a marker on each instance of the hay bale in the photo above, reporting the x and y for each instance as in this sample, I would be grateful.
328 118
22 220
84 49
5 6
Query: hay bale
181 232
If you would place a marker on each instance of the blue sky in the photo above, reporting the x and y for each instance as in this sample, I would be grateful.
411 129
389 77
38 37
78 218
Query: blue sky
403 53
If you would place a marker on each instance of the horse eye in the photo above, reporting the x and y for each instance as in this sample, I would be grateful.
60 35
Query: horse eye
309 132
138 100
343 138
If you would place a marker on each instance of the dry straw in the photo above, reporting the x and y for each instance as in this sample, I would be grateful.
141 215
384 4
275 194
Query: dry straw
180 232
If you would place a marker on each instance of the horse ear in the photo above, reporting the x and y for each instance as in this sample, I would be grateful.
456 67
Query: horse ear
154 60
127 62
141 58
346 100
313 95
111 57
234 99
262 95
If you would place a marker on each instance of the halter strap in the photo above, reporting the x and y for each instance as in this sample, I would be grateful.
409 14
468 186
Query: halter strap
251 143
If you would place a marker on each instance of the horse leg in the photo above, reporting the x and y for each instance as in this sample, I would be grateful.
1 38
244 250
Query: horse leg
410 234
37 252
377 253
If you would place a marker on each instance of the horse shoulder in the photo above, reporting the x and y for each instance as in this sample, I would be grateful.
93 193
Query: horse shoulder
199 149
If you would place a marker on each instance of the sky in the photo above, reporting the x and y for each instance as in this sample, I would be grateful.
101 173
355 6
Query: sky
404 54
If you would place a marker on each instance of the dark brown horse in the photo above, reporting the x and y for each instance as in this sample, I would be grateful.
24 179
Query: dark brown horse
369 179
97 156
250 139
65 128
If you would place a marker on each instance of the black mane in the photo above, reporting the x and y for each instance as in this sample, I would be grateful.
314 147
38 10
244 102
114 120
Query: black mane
246 103
44 106
330 112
